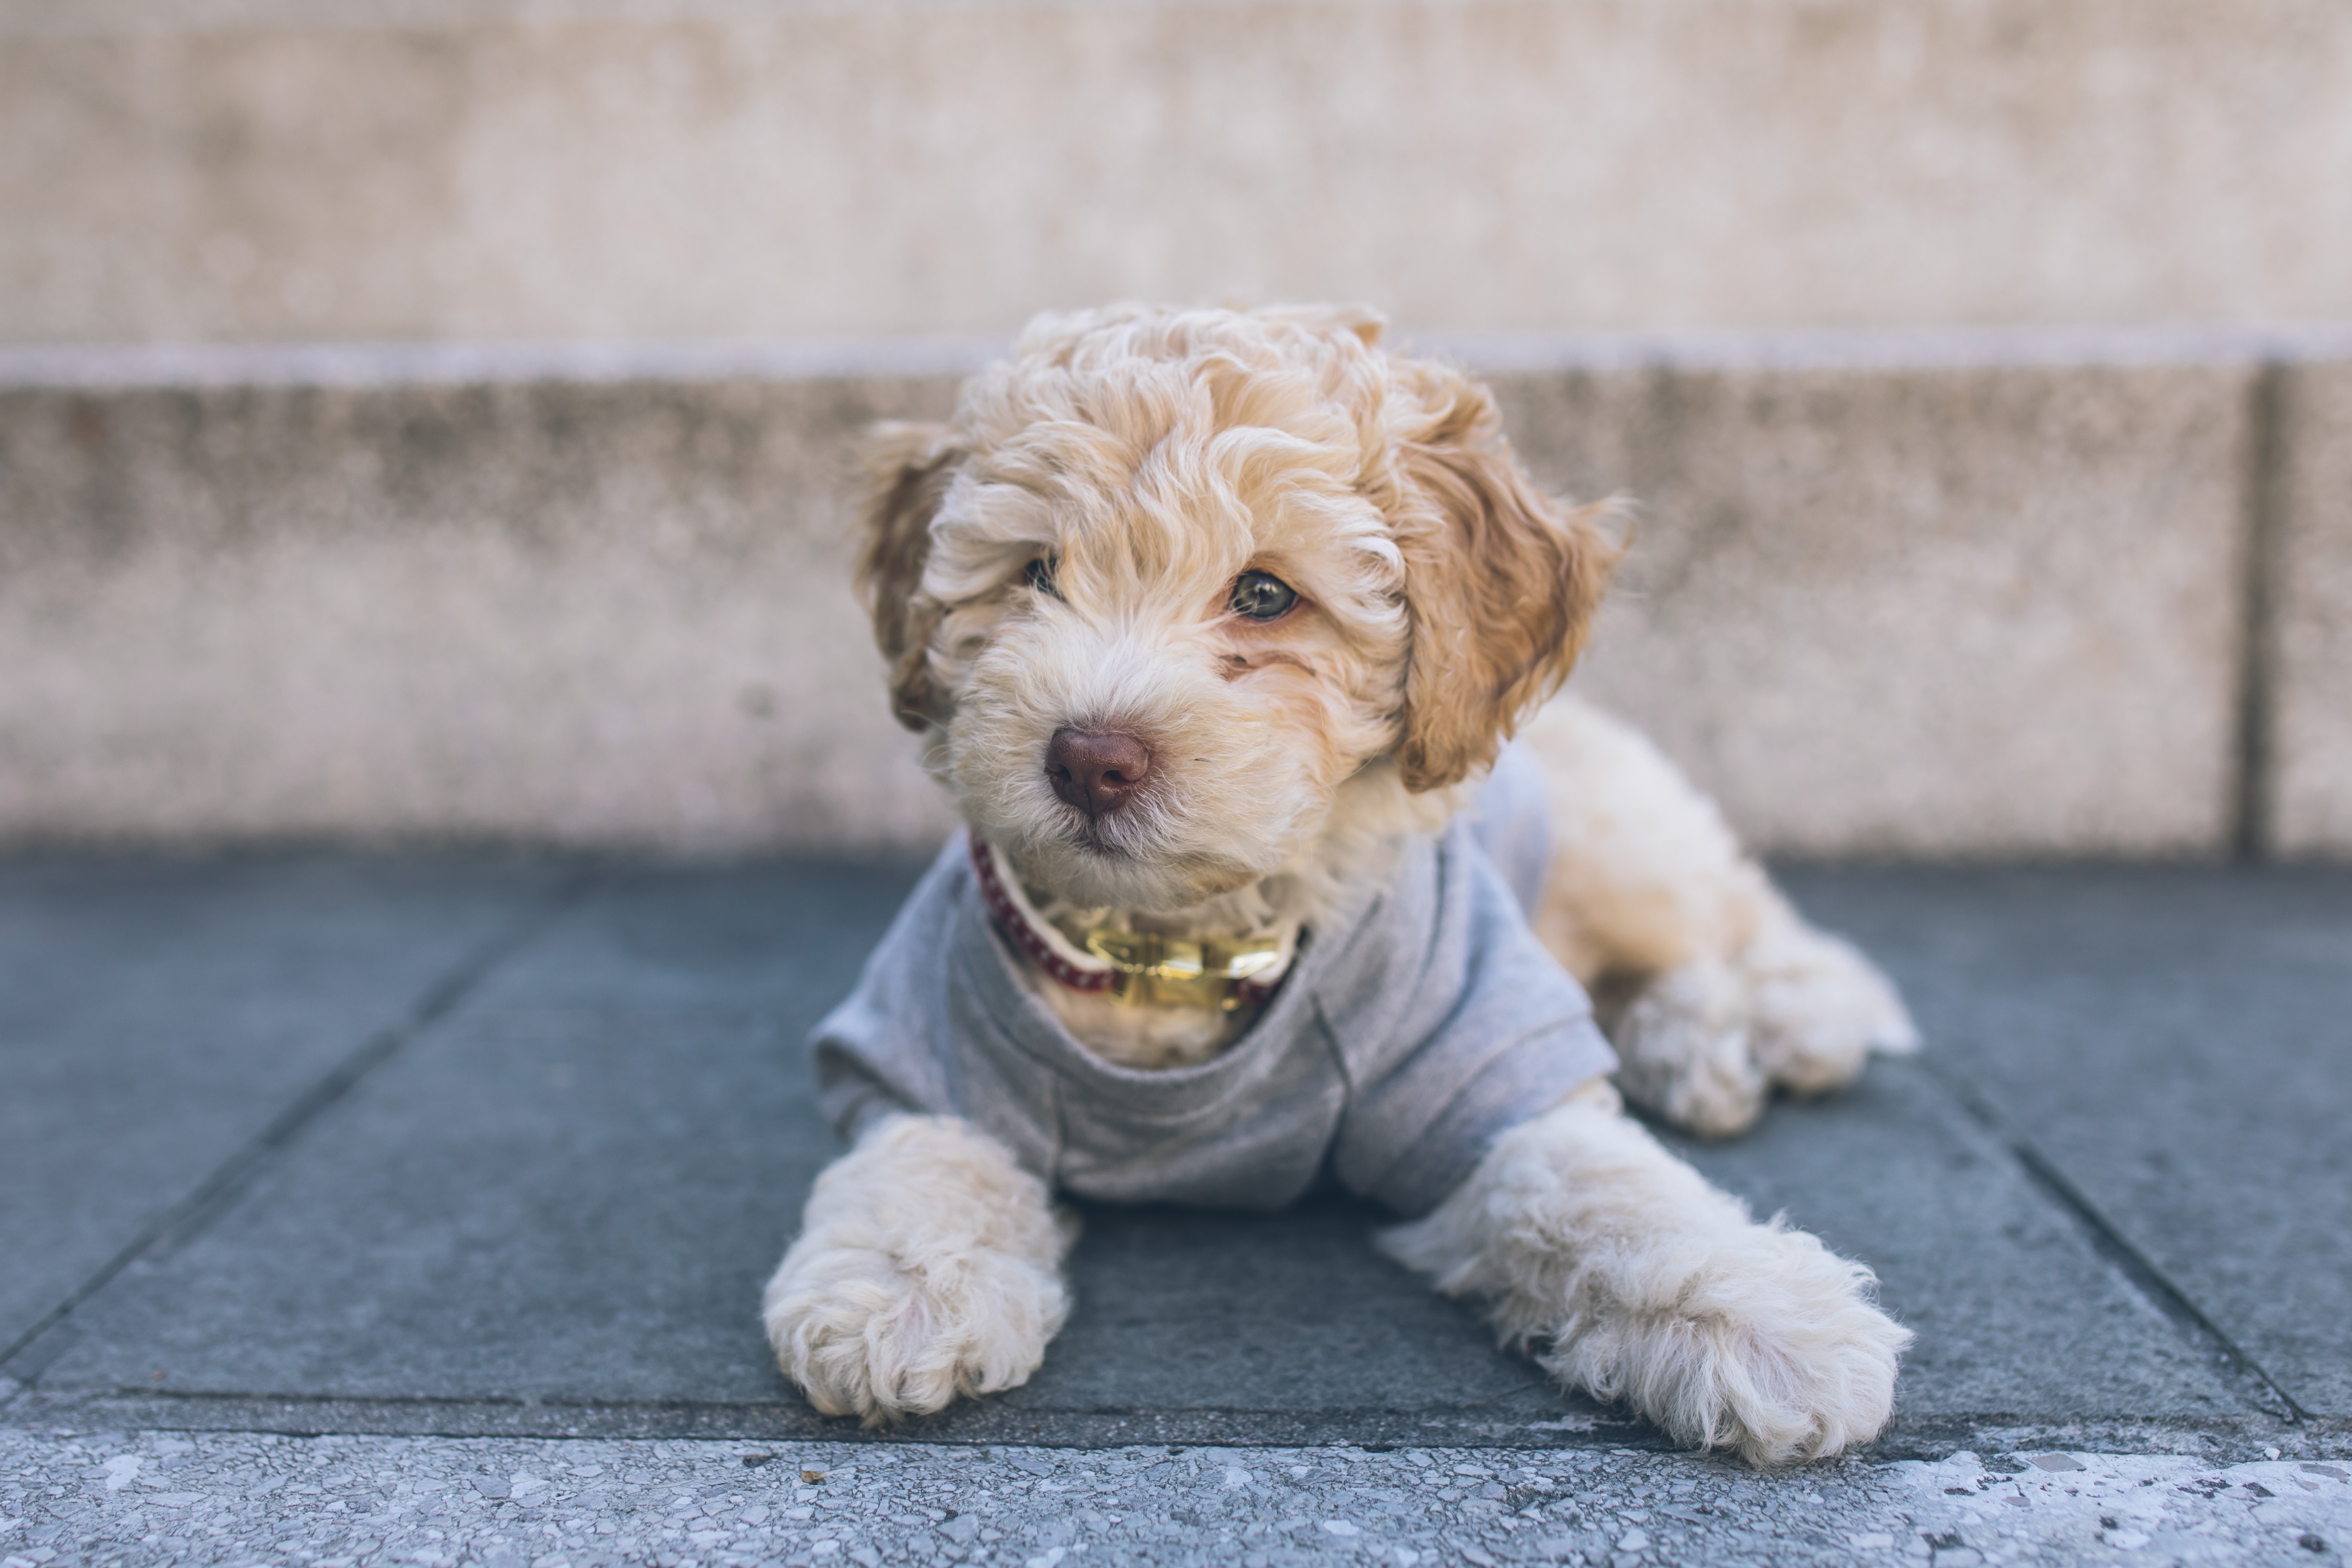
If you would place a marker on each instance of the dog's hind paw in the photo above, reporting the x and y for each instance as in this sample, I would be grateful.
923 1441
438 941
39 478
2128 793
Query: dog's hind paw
1702 1045
1683 1050
929 1269
1817 1008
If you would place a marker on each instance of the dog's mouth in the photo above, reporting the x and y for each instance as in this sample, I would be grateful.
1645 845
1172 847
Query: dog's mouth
1119 862
1135 836
1094 838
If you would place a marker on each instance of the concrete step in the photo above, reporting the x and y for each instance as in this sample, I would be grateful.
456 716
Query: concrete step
1957 594
280 169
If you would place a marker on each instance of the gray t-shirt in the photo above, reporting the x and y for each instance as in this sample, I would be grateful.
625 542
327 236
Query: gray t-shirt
1407 1035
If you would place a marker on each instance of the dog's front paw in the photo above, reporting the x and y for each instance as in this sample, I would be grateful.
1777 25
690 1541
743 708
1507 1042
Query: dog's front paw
863 1333
929 1268
1817 1008
1767 1344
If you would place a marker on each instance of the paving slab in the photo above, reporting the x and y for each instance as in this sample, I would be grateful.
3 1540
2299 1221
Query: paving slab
552 1213
567 1197
157 1014
570 1191
2021 1320
2177 1043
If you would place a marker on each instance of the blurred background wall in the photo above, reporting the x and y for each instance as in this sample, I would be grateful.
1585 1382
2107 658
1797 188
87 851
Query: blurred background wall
426 418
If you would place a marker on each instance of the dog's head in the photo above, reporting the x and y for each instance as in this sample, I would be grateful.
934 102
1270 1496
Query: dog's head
1170 579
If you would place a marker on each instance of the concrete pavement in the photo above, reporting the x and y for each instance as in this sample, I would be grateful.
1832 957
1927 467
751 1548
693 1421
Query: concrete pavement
499 1149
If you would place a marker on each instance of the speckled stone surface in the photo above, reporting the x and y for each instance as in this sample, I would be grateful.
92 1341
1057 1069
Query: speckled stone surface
340 1502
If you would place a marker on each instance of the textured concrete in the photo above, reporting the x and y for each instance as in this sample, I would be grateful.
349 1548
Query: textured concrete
2309 760
572 1191
241 169
231 1499
1885 597
156 1018
1944 611
2175 1044
577 612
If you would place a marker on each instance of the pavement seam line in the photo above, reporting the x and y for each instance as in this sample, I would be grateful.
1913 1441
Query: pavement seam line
2266 456
210 1196
2125 1256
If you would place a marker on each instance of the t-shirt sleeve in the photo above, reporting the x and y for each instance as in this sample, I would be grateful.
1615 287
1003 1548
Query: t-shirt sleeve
876 1054
1466 1028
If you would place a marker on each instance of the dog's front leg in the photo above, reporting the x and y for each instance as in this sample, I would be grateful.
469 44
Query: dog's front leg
1632 1280
928 1265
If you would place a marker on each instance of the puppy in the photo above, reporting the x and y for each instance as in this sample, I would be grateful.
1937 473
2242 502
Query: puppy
1217 625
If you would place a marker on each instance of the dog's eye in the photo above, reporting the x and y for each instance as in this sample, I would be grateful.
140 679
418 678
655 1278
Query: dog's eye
1039 574
1262 595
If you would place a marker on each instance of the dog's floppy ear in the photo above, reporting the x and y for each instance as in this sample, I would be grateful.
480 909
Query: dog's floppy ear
909 469
1501 580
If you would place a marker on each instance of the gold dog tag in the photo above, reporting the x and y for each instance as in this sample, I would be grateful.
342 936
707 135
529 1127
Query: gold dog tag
1175 972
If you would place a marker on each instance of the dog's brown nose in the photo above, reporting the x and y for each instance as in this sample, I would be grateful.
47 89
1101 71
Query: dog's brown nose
1096 770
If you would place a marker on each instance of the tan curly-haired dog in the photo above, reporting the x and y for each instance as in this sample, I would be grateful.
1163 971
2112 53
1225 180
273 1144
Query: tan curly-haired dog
1217 625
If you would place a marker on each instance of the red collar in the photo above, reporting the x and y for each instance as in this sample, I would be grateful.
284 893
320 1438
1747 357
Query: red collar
1096 975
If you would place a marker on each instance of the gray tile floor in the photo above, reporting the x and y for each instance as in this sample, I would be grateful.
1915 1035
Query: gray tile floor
491 1147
